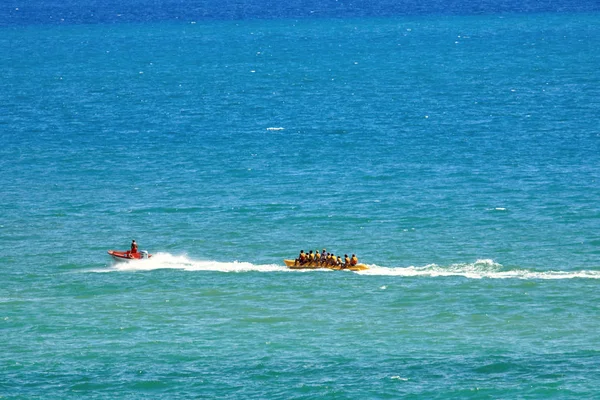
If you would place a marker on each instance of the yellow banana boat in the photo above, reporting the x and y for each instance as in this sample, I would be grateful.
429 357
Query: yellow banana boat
291 265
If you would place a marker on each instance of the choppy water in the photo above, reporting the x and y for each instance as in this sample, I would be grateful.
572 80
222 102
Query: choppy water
458 156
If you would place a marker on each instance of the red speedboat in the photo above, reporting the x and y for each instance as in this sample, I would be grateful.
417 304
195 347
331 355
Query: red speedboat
128 255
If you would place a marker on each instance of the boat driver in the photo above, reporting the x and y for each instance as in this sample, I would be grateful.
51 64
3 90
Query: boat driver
134 247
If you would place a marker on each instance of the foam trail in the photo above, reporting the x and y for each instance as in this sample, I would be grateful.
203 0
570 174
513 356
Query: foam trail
480 269
182 262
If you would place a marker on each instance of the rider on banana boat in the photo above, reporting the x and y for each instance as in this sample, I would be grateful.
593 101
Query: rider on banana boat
333 261
353 260
311 257
323 260
317 257
346 261
301 258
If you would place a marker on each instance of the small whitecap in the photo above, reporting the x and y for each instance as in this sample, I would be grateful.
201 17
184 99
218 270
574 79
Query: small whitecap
279 128
500 209
398 378
383 287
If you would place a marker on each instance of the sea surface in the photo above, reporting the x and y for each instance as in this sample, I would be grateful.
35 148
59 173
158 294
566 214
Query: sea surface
456 153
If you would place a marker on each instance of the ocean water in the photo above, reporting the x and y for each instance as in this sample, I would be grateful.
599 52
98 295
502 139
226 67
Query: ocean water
457 154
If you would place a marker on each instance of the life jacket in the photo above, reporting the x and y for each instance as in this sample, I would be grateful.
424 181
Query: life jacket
302 256
134 247
311 256
347 260
354 261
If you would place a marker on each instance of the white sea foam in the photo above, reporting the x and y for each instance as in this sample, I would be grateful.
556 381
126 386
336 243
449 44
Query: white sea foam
183 262
480 269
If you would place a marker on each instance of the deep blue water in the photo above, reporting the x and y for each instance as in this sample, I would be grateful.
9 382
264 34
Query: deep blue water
14 12
458 155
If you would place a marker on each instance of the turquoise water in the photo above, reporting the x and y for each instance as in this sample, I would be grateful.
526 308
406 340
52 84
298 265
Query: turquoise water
457 156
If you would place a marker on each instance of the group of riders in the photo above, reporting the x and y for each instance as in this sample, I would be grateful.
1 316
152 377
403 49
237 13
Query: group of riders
325 259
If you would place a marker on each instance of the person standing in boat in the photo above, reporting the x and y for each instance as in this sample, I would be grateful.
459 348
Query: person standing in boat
134 250
134 247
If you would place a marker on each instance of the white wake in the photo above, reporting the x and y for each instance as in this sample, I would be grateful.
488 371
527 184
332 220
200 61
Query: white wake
183 262
480 269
